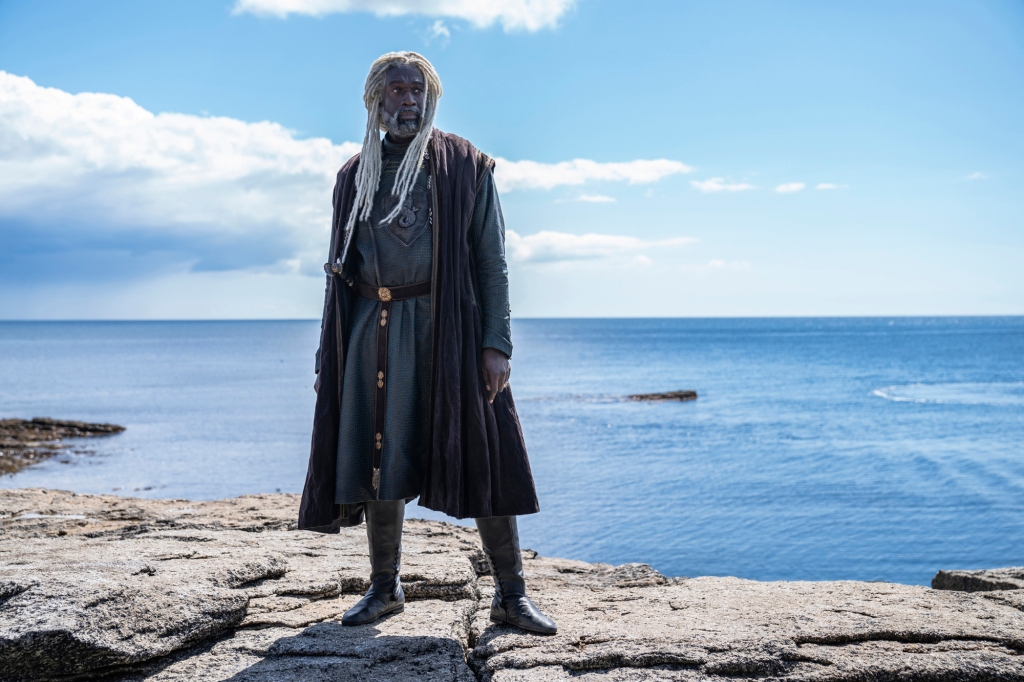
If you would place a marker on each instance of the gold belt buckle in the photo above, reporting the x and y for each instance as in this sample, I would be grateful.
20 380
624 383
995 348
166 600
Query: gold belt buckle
384 294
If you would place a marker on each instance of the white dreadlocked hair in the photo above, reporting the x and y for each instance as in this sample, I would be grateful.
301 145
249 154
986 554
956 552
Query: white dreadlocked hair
368 175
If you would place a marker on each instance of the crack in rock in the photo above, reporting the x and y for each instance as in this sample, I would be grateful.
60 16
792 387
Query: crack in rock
164 591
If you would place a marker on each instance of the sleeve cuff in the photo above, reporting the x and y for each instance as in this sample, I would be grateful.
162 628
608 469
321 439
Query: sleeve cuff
497 342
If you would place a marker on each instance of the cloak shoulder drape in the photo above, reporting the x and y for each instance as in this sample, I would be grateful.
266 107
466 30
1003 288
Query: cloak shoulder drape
477 464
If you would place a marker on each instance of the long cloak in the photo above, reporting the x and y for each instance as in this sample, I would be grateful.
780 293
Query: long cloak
477 464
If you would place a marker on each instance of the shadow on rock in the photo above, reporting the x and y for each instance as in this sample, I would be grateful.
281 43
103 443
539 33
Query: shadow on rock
331 651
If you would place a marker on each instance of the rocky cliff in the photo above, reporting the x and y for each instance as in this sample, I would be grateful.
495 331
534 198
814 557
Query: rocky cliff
119 589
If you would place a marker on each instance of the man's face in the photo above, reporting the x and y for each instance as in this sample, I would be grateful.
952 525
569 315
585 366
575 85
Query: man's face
404 100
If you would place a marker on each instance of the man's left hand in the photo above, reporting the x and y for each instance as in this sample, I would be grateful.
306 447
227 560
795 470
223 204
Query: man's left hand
496 371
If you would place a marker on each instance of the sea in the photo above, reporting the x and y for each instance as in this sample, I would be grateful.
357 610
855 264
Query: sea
818 448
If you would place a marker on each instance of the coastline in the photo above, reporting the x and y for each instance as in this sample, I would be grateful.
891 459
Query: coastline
114 588
24 442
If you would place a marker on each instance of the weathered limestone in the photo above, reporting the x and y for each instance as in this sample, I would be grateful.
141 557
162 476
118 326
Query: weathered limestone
726 627
426 643
24 442
980 581
100 587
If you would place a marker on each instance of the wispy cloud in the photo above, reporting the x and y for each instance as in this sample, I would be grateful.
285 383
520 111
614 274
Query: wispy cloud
555 247
976 175
513 175
527 15
827 185
720 185
790 187
595 198
439 30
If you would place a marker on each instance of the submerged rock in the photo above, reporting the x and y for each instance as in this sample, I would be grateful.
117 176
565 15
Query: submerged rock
119 589
24 442
671 395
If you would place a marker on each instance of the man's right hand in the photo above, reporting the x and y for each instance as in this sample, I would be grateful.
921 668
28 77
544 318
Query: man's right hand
316 384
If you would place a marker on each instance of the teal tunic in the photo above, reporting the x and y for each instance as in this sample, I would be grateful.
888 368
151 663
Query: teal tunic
393 254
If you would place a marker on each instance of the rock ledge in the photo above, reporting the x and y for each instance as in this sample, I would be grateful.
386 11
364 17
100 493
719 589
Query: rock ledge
121 589
24 442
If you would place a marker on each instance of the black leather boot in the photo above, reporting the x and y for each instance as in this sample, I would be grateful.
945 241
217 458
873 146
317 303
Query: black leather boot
384 531
500 537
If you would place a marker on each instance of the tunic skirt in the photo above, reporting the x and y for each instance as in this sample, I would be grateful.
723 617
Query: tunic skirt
392 254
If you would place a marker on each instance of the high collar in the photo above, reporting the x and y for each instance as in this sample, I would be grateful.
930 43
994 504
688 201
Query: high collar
395 147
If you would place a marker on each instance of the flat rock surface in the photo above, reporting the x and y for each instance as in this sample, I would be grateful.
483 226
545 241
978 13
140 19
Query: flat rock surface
980 581
121 589
24 442
670 395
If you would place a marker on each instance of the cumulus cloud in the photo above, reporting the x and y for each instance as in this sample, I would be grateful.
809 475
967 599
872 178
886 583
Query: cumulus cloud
100 170
595 198
720 185
513 175
554 247
97 185
528 15
790 187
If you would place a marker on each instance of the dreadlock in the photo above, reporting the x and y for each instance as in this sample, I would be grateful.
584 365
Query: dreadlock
368 175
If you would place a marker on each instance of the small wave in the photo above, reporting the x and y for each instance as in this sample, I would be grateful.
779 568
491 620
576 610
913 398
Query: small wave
1010 393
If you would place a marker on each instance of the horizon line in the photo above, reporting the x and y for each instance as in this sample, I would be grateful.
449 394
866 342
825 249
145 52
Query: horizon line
552 317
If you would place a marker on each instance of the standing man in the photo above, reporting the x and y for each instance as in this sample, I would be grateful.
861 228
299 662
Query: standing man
412 371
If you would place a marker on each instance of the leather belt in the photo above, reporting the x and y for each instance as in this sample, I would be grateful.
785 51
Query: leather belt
386 296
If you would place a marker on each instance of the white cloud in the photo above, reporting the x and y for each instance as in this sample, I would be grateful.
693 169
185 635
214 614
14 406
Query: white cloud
790 187
553 247
439 30
595 198
529 15
100 163
95 184
977 175
720 185
513 175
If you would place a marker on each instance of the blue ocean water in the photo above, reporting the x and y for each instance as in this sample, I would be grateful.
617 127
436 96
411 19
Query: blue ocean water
870 449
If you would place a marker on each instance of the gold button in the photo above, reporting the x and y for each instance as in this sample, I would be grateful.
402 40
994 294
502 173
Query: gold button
384 293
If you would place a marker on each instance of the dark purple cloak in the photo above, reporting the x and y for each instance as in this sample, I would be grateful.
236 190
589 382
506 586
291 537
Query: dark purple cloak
477 464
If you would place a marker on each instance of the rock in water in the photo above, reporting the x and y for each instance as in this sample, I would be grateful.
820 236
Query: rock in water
130 590
980 581
25 442
671 395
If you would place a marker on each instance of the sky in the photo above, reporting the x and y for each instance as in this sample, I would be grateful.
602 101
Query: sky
175 160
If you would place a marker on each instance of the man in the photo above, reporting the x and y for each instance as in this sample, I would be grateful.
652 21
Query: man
412 371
